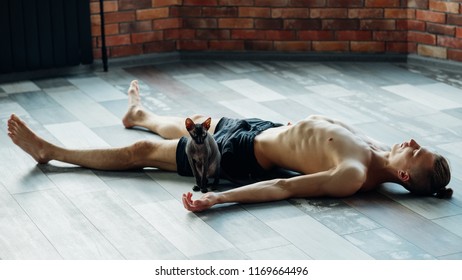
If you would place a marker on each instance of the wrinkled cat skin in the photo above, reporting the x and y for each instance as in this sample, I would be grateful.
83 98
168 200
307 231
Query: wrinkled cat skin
203 154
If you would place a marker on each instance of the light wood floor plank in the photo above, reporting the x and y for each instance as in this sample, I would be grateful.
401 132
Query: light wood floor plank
19 236
73 236
191 235
410 225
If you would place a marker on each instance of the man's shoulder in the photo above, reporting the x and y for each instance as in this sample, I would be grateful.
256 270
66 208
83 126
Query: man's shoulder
354 170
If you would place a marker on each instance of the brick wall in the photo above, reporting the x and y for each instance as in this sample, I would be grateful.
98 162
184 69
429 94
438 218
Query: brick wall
426 27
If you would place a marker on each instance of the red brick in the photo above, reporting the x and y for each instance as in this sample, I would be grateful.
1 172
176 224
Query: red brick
95 30
449 42
412 47
220 12
162 3
316 35
94 8
121 51
340 24
399 13
136 26
455 55
235 3
95 20
168 23
226 45
134 5
394 36
109 29
109 6
432 51
271 3
328 13
119 17
117 40
247 34
235 23
377 24
97 53
192 45
444 6
353 35
144 37
268 24
415 25
258 45
152 13
371 47
365 13
173 34
200 23
290 13
382 3
430 16
309 4
188 11
459 32
186 34
200 2
292 46
442 29
332 46
162 46
420 37
94 42
302 24
455 19
397 47
213 34
345 3
279 35
420 4
254 12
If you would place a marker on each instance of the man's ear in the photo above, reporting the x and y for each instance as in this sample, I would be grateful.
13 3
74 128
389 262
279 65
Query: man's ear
404 175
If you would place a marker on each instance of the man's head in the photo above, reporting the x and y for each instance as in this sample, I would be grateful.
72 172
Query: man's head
421 171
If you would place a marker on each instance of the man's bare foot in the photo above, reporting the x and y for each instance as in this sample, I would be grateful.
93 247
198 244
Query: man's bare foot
135 111
27 140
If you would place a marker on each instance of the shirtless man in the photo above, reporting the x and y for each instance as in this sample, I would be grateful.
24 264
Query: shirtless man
332 158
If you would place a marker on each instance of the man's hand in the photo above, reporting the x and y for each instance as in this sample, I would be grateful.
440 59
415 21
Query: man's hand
205 202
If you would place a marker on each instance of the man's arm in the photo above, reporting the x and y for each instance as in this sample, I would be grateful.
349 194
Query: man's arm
342 181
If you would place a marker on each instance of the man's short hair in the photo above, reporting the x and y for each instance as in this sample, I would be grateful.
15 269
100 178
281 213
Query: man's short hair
432 182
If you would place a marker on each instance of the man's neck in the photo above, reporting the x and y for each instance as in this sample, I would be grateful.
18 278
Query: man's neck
379 171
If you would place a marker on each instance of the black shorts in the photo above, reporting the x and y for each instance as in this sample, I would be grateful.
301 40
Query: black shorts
235 141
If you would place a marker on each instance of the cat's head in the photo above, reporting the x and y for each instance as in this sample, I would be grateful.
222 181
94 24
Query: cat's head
198 132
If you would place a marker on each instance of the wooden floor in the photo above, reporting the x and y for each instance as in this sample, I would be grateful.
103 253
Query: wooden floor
59 211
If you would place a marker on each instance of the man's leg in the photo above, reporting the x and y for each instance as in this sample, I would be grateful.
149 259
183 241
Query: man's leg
160 153
166 126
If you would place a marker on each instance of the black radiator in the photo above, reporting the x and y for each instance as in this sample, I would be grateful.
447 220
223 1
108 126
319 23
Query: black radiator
43 34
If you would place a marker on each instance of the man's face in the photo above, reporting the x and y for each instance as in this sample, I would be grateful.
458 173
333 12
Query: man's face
410 154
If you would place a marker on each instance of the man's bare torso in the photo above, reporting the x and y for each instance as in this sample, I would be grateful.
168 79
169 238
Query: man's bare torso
313 145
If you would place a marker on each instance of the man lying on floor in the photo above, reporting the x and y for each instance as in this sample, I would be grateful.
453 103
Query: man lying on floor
332 158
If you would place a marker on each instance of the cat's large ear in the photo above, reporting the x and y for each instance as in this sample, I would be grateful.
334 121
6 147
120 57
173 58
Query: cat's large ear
189 124
206 123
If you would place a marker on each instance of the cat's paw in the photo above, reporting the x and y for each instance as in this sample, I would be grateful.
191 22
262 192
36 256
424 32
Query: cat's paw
204 190
196 188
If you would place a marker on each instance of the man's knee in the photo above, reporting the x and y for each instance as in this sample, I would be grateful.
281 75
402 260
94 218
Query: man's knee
158 153
140 150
